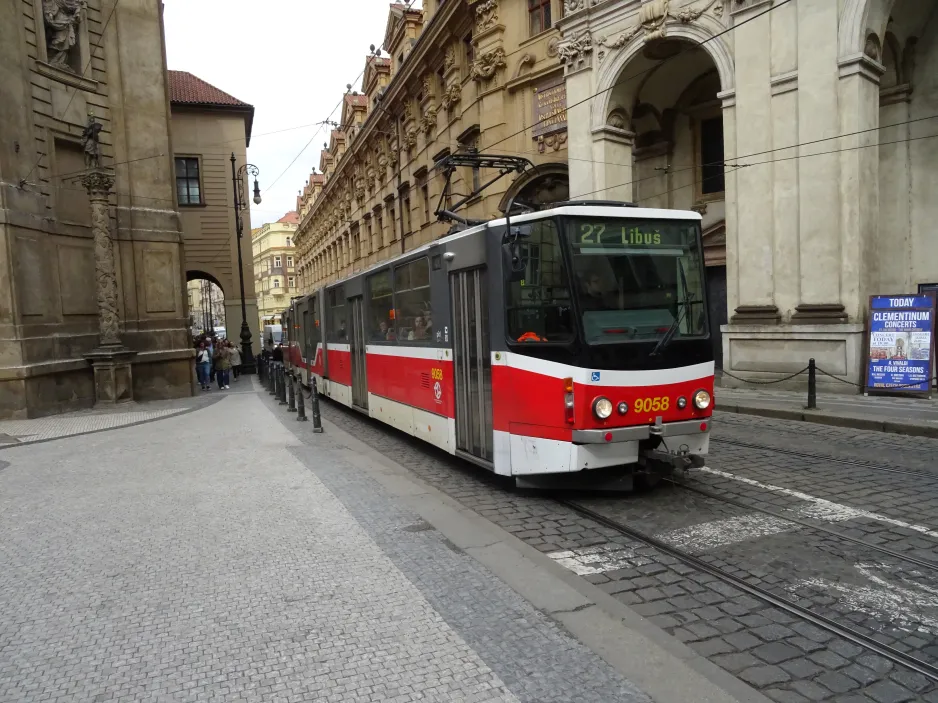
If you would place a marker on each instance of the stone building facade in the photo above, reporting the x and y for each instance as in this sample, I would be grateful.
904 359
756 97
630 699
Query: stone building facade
275 269
209 126
73 283
458 75
799 130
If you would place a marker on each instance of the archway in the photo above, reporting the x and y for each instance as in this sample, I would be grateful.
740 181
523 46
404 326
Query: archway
540 187
662 145
206 304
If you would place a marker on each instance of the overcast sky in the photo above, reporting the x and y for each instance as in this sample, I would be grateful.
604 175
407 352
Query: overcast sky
291 60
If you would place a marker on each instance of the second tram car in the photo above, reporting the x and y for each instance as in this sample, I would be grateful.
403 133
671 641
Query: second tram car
569 342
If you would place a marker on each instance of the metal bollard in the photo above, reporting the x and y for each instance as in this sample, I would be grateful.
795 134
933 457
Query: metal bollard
812 385
300 402
314 402
282 377
272 386
291 397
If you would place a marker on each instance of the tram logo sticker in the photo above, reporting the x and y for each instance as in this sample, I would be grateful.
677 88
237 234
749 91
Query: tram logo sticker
594 376
438 392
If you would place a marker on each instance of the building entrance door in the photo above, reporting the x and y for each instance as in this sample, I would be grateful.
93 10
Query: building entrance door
716 298
472 364
357 347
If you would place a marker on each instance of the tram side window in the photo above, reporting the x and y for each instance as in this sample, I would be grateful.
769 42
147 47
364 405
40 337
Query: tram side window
380 320
337 320
314 334
412 299
539 305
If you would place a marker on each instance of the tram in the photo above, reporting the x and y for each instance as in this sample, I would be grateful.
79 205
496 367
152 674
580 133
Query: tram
568 346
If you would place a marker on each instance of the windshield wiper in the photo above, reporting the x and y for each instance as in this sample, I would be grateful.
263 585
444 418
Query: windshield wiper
675 326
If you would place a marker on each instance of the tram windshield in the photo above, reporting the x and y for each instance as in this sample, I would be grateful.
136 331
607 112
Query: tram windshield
637 279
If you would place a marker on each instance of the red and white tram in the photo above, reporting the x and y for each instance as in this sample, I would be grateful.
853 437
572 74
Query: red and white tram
568 342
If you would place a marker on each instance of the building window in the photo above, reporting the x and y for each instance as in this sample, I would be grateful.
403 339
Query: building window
276 283
188 187
710 153
289 262
380 238
291 282
406 213
539 15
278 262
288 241
470 54
424 198
392 225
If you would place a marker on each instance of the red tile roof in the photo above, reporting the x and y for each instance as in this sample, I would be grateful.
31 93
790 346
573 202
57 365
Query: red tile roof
357 99
291 218
186 89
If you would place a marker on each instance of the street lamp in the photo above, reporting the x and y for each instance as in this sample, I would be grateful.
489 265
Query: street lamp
240 205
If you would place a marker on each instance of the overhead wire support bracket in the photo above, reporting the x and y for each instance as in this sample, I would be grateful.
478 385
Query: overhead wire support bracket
473 159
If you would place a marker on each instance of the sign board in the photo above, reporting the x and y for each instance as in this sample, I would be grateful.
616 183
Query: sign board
901 344
550 107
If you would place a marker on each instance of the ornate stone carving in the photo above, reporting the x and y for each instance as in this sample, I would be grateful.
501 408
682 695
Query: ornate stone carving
486 14
571 6
653 15
449 59
618 118
99 184
552 46
410 138
484 67
428 121
61 19
451 97
574 52
426 86
91 142
526 60
551 141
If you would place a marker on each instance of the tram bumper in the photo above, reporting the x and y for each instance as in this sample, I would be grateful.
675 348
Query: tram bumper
680 445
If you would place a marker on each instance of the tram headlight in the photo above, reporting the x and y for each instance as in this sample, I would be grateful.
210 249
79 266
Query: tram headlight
701 400
682 402
623 408
602 408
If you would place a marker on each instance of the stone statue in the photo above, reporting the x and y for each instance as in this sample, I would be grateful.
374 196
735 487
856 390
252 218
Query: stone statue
90 139
61 20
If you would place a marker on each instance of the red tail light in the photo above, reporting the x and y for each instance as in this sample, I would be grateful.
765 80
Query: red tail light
568 401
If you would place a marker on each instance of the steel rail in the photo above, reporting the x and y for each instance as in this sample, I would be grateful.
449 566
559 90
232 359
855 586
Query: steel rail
924 668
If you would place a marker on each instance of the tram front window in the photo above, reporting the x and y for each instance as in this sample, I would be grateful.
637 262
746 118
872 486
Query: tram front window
636 278
539 305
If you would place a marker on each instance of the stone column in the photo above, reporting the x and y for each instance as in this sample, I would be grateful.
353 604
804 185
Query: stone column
113 377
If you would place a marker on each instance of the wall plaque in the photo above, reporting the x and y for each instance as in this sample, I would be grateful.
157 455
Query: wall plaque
550 107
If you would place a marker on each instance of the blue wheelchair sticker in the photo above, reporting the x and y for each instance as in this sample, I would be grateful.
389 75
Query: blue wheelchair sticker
594 376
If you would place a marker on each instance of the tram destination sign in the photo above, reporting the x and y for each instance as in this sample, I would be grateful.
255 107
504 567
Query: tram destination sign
613 234
901 344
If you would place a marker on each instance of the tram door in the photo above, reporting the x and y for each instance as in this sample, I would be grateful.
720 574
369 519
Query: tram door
472 363
357 347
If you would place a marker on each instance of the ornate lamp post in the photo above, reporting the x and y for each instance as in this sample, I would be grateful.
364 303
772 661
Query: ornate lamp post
240 205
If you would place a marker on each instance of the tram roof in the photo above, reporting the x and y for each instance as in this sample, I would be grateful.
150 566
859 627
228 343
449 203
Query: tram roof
626 211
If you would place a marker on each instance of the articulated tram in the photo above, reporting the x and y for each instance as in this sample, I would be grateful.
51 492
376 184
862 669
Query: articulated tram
568 346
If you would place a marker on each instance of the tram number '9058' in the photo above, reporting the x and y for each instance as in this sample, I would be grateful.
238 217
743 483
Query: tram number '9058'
652 405
436 374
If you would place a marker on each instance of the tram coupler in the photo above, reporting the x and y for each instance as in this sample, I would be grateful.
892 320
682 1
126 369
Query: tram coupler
291 399
678 460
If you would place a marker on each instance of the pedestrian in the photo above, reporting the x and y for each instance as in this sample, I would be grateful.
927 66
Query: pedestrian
235 360
278 354
211 345
222 366
203 362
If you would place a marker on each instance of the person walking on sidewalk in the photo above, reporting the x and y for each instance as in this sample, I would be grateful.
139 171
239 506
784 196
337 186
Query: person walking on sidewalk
222 365
203 362
235 359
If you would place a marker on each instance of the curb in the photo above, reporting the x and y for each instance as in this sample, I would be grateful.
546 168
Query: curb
892 426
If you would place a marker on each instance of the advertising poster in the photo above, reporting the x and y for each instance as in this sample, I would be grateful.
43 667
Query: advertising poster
901 343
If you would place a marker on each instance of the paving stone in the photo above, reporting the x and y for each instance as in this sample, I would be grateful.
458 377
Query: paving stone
860 674
742 640
782 696
888 692
801 668
827 659
805 645
837 682
911 680
709 648
762 676
776 652
772 633
736 662
810 690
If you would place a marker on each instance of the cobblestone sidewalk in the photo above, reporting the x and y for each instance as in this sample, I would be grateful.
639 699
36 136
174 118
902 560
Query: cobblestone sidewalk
198 559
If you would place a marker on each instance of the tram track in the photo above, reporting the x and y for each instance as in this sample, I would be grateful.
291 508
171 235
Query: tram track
821 457
925 563
827 624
